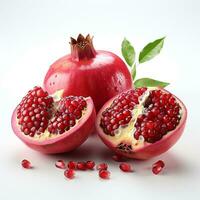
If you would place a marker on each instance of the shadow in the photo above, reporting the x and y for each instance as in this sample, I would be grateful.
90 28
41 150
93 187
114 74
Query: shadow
94 149
174 165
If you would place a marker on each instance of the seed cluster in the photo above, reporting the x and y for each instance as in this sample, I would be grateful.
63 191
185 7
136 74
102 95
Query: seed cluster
33 112
69 110
119 113
161 115
38 112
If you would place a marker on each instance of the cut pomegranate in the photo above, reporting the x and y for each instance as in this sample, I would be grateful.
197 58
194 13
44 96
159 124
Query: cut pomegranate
104 174
52 124
102 166
72 165
60 164
69 173
90 164
26 164
141 123
81 166
158 166
87 72
125 167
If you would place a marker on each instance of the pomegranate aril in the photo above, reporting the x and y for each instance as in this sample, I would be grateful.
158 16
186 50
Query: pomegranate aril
158 166
118 158
125 167
60 164
156 116
69 173
26 164
90 164
104 174
102 166
81 166
72 165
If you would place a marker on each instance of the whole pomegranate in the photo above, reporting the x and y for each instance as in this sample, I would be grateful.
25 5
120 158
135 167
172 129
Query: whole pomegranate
87 72
52 124
141 123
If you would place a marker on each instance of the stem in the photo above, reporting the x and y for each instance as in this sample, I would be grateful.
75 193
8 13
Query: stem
82 48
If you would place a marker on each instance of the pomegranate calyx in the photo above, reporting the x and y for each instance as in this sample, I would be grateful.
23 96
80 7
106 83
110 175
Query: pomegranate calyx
82 48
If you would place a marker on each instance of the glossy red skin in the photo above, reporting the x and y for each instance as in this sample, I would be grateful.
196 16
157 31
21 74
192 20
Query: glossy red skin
101 77
148 150
68 141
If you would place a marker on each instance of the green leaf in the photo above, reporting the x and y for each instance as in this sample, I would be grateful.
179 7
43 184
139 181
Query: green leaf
133 72
151 50
148 82
128 52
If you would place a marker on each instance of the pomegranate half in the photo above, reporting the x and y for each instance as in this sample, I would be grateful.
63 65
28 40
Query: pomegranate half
87 72
51 124
141 123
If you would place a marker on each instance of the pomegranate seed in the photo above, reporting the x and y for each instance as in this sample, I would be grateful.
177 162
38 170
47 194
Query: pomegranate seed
81 166
60 164
102 166
69 173
125 167
35 113
32 111
117 158
72 165
158 166
104 174
26 164
90 164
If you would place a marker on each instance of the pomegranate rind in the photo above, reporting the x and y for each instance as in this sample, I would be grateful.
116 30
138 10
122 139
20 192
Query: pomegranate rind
66 142
148 150
98 77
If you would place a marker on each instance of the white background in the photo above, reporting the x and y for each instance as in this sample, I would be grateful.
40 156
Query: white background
33 34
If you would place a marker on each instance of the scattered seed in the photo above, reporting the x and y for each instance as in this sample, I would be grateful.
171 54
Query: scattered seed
125 167
118 158
72 165
157 167
104 174
69 173
90 164
60 164
26 164
81 166
102 166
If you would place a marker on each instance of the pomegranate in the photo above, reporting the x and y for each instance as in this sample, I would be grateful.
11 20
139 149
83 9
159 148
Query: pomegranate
141 123
87 72
53 124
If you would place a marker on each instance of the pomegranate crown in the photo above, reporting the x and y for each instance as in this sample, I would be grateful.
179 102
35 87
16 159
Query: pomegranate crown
82 48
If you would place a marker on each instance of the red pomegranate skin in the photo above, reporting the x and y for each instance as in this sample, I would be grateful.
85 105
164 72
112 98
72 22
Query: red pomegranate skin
100 76
68 141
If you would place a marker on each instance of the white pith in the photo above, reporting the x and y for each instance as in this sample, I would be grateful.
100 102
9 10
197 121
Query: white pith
125 134
46 134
